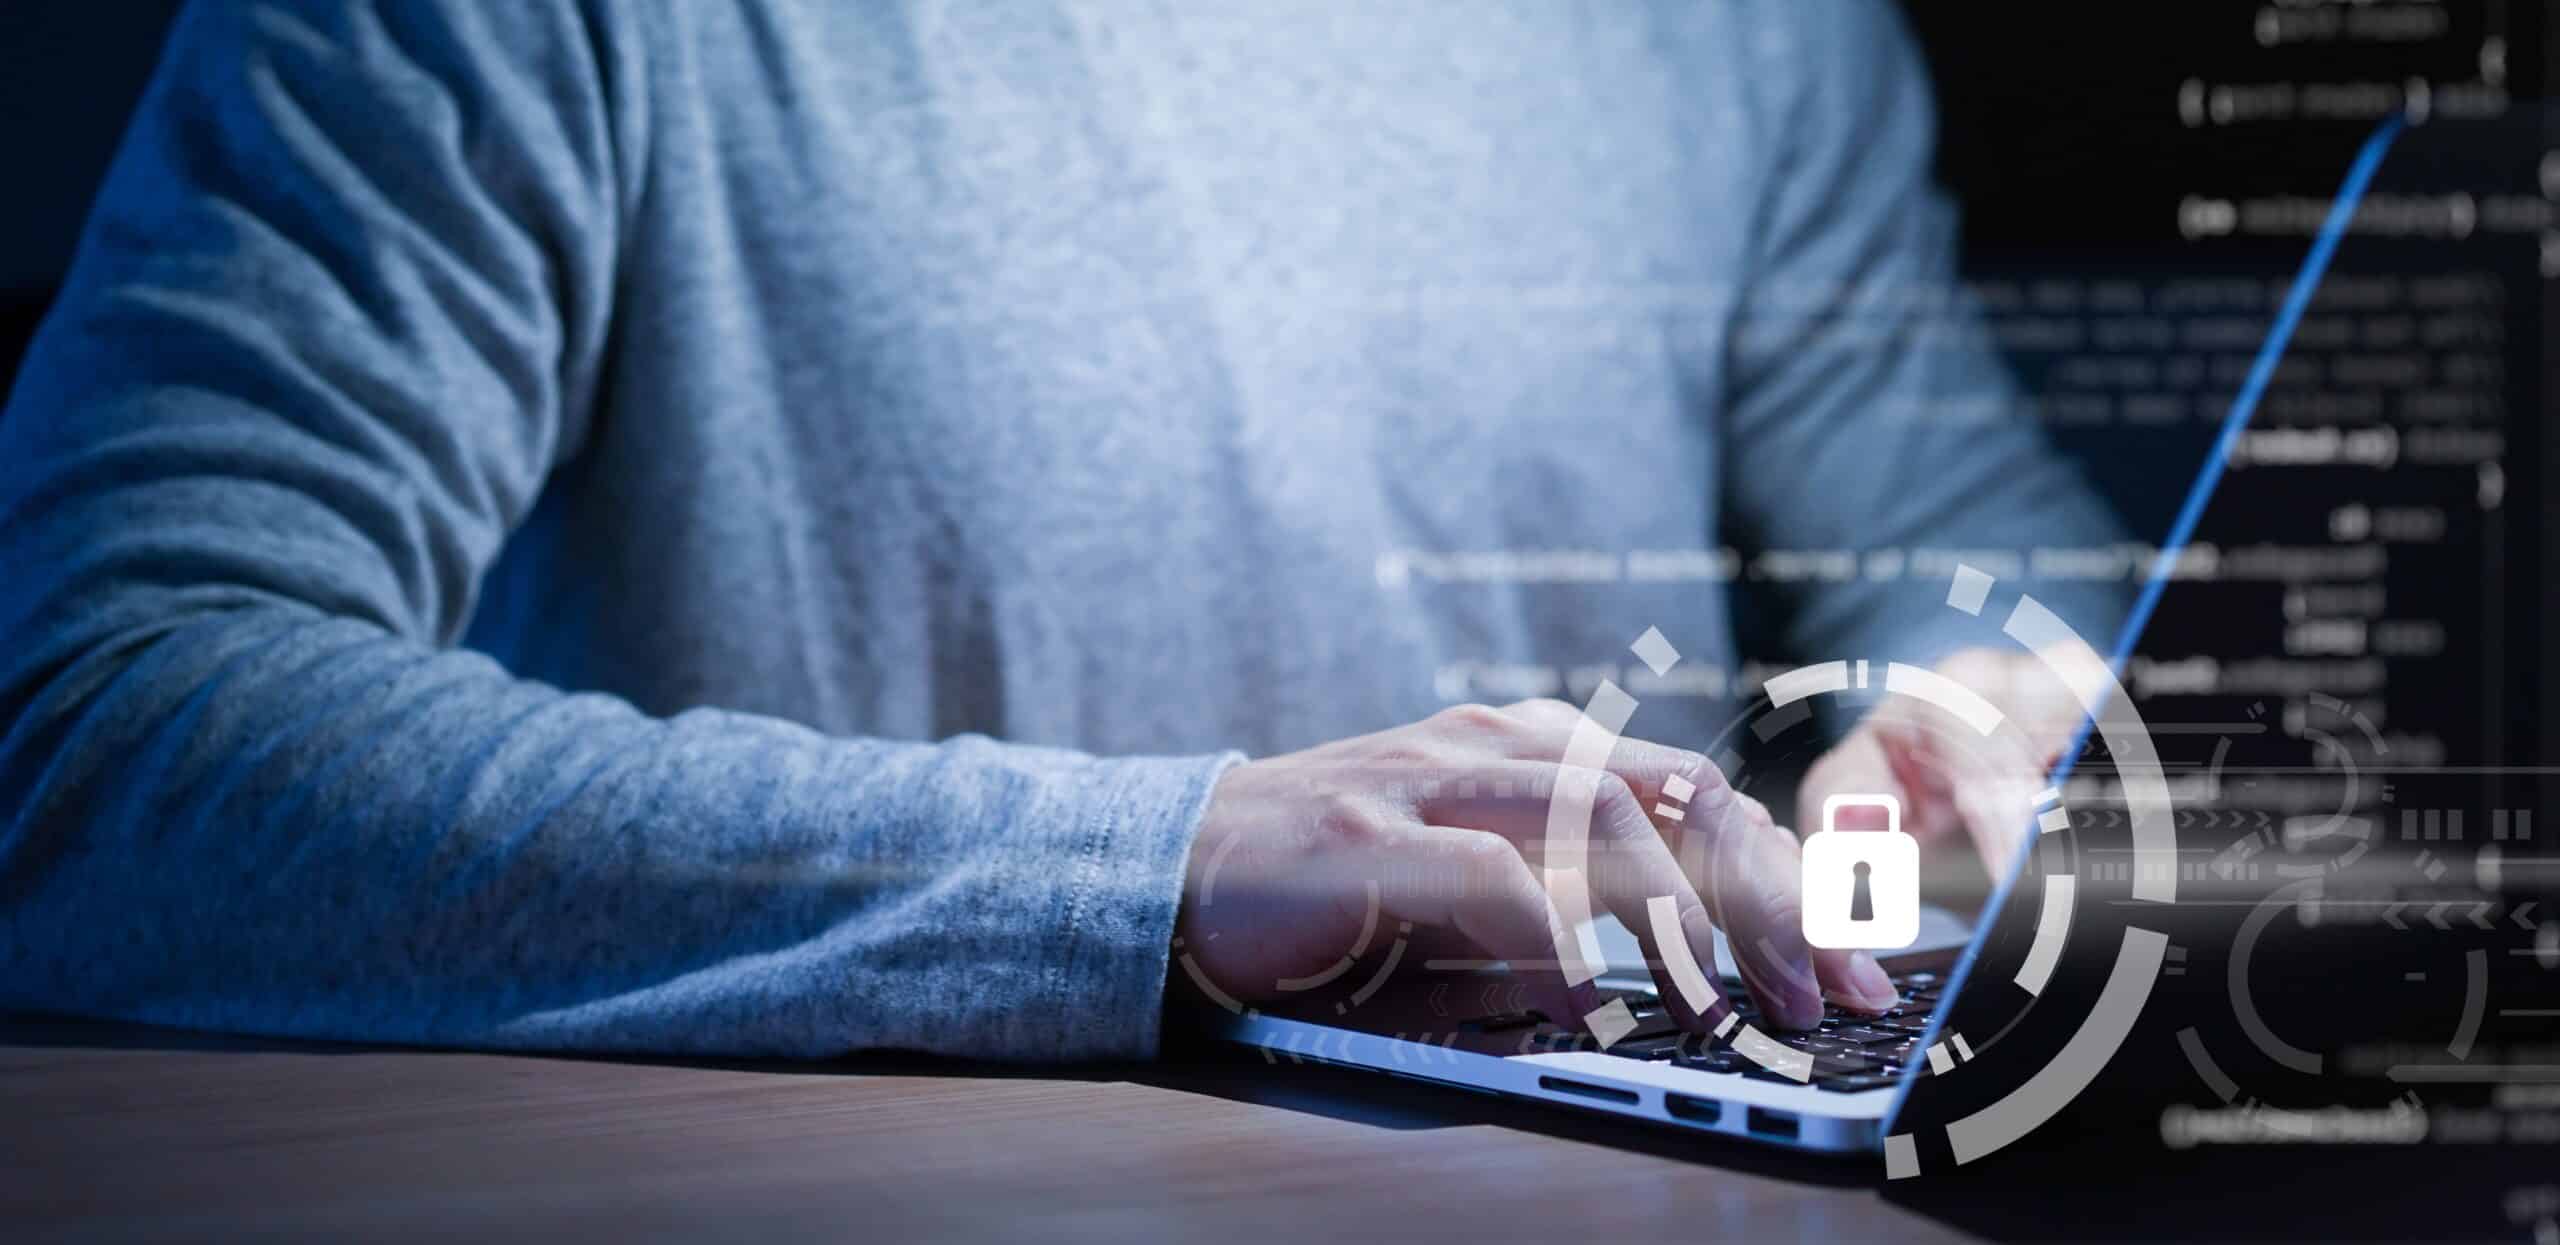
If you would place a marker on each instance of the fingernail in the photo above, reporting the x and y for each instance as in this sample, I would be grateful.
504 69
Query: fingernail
1868 979
1586 1000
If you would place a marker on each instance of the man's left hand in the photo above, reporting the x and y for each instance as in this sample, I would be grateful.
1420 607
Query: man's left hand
1950 781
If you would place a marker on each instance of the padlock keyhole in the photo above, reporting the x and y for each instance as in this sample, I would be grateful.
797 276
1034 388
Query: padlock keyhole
1862 900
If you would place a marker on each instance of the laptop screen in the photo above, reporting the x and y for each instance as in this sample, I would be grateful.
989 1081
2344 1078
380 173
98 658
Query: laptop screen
2133 788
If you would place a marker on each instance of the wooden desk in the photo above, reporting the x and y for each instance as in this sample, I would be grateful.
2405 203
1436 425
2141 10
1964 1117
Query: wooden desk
130 1133
125 1133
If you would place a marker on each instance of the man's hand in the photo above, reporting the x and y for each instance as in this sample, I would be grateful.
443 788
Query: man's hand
1951 781
1447 818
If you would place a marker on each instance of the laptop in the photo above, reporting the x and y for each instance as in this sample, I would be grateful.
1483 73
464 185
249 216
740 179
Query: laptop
1837 1089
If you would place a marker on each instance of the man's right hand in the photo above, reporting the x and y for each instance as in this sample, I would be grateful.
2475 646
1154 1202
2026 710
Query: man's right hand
1447 817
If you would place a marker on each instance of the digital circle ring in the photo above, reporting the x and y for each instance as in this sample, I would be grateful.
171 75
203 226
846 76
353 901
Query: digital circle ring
2110 712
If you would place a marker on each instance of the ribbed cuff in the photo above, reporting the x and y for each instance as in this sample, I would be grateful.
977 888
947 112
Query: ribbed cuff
1123 897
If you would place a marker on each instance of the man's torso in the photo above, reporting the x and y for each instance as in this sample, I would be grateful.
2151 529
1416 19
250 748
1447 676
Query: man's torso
1080 377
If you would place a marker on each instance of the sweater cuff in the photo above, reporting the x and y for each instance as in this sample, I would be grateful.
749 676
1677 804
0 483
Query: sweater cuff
1124 893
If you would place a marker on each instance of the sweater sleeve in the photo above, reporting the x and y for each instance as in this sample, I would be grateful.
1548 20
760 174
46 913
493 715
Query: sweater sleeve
1870 410
338 314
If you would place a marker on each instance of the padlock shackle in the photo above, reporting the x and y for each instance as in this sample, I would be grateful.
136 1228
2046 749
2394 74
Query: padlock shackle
1832 804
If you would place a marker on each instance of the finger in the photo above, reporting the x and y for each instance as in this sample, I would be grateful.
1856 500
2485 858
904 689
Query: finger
1432 944
1888 757
1854 980
1645 766
1850 979
1634 873
2030 689
1687 801
1754 872
1981 786
1995 806
1756 865
1624 864
1476 883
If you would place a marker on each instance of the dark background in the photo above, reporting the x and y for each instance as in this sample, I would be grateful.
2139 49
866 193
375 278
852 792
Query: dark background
69 75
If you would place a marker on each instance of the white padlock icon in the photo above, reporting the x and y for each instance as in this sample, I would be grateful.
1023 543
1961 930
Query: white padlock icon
1861 887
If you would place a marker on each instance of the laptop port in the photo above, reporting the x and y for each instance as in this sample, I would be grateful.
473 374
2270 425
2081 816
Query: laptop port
1694 1110
1770 1123
1585 1089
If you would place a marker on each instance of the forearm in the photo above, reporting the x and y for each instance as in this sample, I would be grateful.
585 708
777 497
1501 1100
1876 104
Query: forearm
269 820
335 322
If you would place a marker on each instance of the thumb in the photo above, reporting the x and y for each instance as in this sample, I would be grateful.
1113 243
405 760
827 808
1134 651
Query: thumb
1881 757
1861 764
1996 807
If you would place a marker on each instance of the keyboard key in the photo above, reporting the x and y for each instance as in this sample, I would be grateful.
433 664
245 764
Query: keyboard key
1853 1084
1716 1059
1660 1046
1503 1022
1868 1035
1659 1024
1555 1041
1824 1047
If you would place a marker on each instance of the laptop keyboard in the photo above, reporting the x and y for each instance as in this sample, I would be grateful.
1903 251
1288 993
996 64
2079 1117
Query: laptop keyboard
1851 1051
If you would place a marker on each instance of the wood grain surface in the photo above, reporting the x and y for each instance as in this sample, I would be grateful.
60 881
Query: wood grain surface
120 1133
138 1134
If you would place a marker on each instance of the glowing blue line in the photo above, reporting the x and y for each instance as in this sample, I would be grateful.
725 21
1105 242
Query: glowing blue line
2315 265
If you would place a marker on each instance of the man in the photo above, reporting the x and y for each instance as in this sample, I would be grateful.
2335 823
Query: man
769 528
